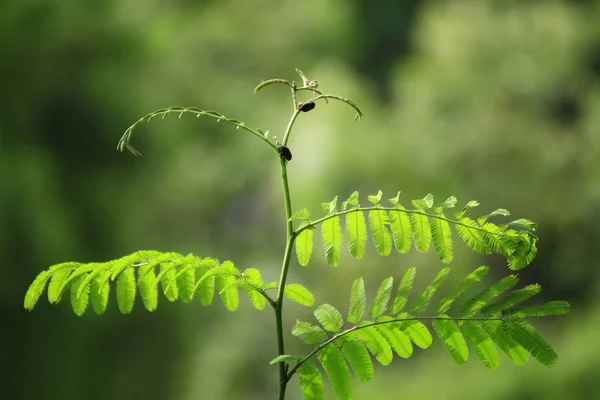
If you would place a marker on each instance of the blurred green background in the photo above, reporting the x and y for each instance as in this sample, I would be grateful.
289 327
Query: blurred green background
490 100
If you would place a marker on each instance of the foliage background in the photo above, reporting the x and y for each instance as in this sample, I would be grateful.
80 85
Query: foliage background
492 100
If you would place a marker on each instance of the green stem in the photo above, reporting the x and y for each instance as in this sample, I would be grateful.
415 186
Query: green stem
284 270
289 129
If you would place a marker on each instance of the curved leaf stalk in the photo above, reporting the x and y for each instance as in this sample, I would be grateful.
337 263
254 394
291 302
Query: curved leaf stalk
126 138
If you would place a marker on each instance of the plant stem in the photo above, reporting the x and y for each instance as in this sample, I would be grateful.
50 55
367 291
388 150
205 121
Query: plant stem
288 251
284 270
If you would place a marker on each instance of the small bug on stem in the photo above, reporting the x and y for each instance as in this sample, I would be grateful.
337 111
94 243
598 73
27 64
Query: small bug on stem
284 152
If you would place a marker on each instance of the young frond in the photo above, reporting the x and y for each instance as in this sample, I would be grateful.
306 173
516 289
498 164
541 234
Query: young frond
481 343
181 277
404 289
329 317
425 298
124 143
382 298
400 227
376 343
309 333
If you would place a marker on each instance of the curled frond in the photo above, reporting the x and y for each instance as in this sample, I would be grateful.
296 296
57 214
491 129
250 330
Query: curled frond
270 82
423 225
359 113
124 143
141 274
392 332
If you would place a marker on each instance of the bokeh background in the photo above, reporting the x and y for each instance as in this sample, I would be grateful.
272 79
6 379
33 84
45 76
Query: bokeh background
490 100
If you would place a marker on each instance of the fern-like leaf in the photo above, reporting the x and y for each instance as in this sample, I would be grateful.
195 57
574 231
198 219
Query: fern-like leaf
406 285
481 343
425 298
401 229
542 310
382 237
309 333
510 300
332 240
421 231
299 294
126 291
530 339
59 276
507 344
477 302
99 291
416 331
358 357
469 232
376 344
329 317
36 289
452 339
304 245
311 382
382 298
337 371
469 281
147 286
442 239
398 340
226 282
80 298
358 301
356 229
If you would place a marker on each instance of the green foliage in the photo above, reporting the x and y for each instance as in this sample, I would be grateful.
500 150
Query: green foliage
487 321
180 277
404 227
477 325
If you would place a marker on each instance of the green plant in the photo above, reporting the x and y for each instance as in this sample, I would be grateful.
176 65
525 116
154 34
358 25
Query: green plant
489 320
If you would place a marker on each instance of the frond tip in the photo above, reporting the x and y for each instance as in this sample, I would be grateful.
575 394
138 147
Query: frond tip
142 273
477 326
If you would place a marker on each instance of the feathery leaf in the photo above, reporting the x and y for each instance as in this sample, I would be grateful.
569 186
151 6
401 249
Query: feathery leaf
299 294
304 245
358 301
309 333
476 303
337 370
147 286
469 232
311 382
511 299
99 291
452 339
421 231
379 222
356 229
329 317
530 339
469 281
126 290
442 239
376 343
481 343
416 330
382 298
541 310
398 340
425 298
508 345
80 302
332 240
401 229
36 289
404 290
357 356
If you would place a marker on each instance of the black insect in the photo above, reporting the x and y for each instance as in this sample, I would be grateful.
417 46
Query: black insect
306 107
285 153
